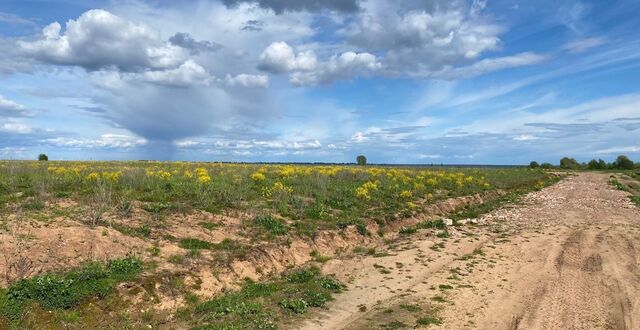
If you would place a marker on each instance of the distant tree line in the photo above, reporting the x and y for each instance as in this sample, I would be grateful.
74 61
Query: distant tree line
621 163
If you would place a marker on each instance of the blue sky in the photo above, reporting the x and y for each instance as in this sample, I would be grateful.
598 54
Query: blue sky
403 81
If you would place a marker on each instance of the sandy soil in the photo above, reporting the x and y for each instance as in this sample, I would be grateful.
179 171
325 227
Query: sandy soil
566 257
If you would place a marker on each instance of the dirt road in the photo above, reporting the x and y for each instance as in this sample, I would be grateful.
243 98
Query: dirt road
566 257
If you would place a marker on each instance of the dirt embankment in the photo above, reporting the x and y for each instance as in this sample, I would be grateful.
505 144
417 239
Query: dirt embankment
567 257
64 239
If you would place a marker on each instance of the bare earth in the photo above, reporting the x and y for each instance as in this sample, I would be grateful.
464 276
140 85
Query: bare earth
566 257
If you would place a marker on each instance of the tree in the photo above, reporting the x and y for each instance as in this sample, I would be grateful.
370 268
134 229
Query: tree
569 163
593 165
623 163
546 166
602 165
534 164
361 160
43 157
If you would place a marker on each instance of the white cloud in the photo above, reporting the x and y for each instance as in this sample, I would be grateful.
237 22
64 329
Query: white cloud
423 35
582 45
248 80
187 74
109 141
279 57
525 137
305 69
619 150
487 65
343 66
99 39
15 127
428 156
10 108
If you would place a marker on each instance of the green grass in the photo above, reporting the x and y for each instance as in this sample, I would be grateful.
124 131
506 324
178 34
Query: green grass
195 244
65 290
272 225
428 320
264 305
300 199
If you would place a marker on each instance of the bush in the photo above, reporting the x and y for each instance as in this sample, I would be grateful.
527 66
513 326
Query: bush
43 157
534 164
546 166
361 160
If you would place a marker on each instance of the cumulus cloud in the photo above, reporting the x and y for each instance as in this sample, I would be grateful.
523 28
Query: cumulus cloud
305 69
423 35
98 40
187 74
281 6
279 57
195 47
343 66
10 108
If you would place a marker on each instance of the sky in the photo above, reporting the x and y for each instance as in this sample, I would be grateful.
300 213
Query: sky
399 81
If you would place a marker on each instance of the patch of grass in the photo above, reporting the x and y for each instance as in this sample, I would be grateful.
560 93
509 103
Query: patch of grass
395 324
428 320
318 257
476 252
65 290
428 224
208 225
411 307
264 305
439 299
364 250
407 230
271 224
140 231
156 207
195 244
445 287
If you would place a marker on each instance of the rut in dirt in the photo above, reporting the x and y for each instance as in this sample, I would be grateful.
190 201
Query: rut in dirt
565 257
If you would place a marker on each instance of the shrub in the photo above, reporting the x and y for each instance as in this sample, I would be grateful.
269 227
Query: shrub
361 160
546 166
43 157
534 164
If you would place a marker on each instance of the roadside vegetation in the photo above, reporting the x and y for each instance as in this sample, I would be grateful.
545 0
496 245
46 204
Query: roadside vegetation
190 219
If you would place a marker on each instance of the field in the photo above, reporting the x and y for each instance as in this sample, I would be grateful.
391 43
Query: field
211 245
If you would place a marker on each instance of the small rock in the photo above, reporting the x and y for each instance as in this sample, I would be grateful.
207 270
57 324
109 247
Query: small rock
447 222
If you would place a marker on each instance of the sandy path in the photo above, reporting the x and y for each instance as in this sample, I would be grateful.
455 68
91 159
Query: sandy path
567 257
